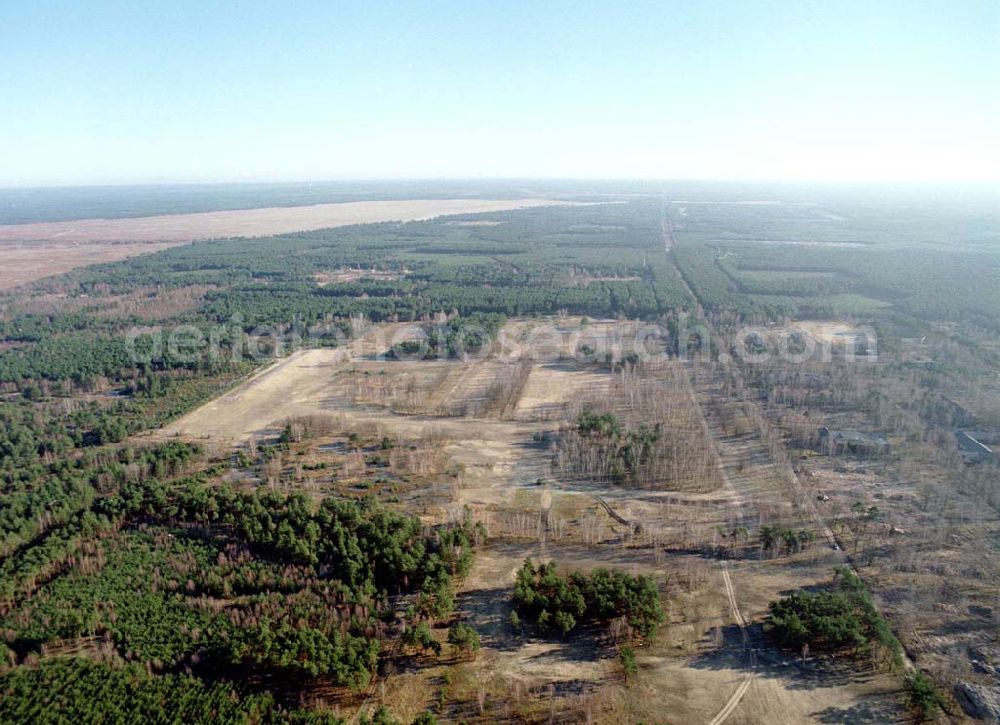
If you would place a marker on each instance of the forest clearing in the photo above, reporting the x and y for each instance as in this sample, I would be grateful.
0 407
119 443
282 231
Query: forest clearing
500 456
447 467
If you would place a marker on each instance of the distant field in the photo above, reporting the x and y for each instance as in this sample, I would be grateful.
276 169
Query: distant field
23 263
252 222
33 251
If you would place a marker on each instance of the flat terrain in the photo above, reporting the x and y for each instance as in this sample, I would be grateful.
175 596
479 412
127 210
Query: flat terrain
25 262
34 251
294 386
252 222
712 664
582 435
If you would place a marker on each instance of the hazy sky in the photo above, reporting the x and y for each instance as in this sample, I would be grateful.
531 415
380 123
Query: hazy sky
103 92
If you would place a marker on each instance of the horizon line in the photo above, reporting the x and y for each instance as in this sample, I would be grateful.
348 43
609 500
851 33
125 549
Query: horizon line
794 181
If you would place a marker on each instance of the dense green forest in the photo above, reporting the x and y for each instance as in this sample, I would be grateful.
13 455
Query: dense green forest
841 617
858 259
309 588
558 603
79 690
599 260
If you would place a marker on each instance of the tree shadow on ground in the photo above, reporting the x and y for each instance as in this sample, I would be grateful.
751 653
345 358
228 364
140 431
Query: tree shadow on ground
488 610
861 714
760 655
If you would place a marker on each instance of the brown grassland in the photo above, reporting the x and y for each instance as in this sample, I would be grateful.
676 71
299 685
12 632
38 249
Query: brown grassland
34 251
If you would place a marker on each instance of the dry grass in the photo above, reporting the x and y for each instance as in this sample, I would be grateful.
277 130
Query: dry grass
27 262
252 222
34 251
489 465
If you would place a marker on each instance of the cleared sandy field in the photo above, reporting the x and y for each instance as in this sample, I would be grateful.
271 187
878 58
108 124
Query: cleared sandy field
253 222
298 385
23 263
698 671
827 332
550 386
29 252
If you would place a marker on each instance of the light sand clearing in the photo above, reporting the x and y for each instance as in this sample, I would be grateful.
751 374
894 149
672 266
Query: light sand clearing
253 222
803 243
745 202
823 332
23 263
777 696
298 385
550 386
304 384
309 382
685 674
827 332
353 274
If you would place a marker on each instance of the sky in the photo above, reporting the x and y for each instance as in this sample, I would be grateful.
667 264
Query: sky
102 92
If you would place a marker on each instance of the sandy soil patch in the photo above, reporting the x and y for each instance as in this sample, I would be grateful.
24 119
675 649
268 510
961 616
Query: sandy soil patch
747 202
339 276
782 697
584 280
828 332
254 222
551 386
804 243
23 263
301 384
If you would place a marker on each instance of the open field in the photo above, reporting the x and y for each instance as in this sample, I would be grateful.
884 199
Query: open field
252 222
24 263
712 664
43 249
823 332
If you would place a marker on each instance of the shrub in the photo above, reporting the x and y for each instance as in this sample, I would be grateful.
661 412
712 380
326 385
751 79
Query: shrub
464 638
419 635
381 716
922 694
629 665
